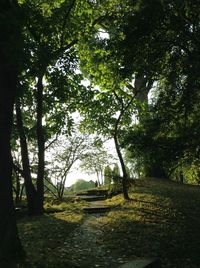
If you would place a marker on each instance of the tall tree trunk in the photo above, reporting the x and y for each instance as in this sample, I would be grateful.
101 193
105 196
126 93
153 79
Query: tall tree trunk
98 181
124 172
17 189
29 187
41 146
21 193
10 246
154 168
102 177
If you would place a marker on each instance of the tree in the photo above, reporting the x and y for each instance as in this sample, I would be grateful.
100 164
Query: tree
26 170
134 164
116 173
118 101
164 51
107 175
82 185
121 97
10 54
42 53
65 152
95 160
49 41
168 131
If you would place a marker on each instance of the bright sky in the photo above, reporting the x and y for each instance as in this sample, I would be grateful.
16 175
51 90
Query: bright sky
77 173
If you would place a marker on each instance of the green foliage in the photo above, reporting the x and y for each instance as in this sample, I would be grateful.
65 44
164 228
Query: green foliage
147 41
83 185
112 175
107 175
116 170
164 142
95 160
156 41
116 174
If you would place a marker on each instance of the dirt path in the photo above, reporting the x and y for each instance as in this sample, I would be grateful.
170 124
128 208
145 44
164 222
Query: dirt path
86 247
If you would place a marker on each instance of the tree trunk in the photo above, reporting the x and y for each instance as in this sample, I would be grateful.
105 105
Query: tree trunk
98 181
41 146
21 193
102 177
17 189
29 187
124 172
10 246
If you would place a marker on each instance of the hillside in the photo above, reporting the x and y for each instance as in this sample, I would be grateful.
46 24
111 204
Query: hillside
162 220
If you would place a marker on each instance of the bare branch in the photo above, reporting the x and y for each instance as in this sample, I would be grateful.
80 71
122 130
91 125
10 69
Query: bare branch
54 140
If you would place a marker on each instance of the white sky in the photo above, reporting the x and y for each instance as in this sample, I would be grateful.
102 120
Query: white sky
76 172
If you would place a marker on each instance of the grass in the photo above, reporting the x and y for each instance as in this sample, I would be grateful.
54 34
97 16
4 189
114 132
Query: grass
44 237
161 220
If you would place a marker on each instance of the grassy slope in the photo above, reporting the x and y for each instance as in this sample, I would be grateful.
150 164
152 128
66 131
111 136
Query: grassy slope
44 237
162 220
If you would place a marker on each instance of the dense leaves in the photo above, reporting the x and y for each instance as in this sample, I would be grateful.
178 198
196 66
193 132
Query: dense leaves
129 68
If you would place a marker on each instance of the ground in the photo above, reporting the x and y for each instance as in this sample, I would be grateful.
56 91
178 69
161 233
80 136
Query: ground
162 220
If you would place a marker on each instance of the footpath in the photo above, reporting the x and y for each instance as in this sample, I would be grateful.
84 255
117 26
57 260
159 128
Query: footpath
85 245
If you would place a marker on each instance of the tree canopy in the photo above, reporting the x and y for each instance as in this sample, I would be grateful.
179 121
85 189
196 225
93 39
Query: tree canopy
129 69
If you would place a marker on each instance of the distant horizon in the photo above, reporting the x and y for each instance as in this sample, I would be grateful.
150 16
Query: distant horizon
76 175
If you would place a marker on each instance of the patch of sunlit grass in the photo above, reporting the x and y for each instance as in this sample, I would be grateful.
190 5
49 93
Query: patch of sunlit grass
158 221
44 237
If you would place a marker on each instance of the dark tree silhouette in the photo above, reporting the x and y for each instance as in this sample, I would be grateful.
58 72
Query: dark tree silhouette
10 246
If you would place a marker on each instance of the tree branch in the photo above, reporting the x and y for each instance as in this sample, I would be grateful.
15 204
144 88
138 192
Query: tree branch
18 169
65 21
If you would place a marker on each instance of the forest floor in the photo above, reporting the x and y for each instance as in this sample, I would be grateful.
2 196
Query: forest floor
162 220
